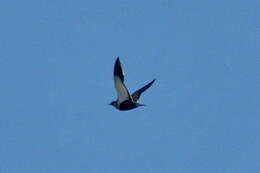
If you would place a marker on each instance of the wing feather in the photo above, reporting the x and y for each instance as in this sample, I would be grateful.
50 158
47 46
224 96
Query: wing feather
136 95
122 92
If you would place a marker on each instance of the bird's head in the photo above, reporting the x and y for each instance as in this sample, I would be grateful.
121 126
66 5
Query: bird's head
113 103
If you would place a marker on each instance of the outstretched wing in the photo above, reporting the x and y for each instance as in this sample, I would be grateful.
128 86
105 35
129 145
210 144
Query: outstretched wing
137 94
122 92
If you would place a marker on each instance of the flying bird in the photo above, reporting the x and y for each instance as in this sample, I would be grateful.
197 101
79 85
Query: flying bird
125 101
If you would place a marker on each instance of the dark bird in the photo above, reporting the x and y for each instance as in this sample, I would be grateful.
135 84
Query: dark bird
125 101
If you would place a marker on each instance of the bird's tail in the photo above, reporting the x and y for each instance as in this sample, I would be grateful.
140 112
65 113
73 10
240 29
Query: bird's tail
139 104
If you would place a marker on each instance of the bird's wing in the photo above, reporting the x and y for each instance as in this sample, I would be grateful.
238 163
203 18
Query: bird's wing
137 94
122 92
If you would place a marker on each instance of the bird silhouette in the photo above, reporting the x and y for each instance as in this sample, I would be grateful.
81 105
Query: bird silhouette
125 101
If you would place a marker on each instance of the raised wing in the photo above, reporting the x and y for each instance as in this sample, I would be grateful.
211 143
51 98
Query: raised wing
122 92
136 95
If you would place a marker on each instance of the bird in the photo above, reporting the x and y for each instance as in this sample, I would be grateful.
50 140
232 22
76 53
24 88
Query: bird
125 101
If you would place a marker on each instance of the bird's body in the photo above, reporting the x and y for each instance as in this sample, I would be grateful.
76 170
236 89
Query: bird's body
125 101
127 105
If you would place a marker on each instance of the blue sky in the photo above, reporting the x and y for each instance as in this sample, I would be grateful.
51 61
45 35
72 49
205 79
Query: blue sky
56 63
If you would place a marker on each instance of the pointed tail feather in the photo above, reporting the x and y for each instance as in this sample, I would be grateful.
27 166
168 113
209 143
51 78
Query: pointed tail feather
139 104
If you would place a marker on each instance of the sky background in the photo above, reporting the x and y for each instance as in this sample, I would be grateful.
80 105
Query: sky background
56 64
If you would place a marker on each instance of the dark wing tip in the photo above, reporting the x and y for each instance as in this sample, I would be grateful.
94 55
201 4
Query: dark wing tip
149 84
118 69
117 61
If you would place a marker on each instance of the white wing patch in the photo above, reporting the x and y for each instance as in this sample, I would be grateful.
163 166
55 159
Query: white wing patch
122 92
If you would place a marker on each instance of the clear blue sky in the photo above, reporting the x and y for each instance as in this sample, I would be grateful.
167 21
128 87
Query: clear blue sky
202 113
